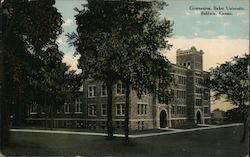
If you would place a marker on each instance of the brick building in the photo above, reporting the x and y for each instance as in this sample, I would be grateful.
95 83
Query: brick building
190 104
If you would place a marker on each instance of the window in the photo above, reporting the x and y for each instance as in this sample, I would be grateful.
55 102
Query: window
163 99
57 110
140 125
120 89
91 91
181 80
142 109
104 110
197 66
66 108
181 94
104 125
78 105
120 125
172 110
198 74
91 110
206 96
33 108
120 109
92 125
79 124
172 95
43 109
104 90
198 81
67 123
198 102
181 109
145 91
206 109
198 90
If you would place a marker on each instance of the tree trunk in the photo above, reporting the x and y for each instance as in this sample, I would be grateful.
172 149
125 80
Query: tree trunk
5 126
109 111
243 138
46 111
127 104
52 116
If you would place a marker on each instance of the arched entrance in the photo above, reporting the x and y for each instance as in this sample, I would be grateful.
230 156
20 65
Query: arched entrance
198 117
163 119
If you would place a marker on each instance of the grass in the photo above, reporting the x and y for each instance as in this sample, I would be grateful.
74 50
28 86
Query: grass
221 142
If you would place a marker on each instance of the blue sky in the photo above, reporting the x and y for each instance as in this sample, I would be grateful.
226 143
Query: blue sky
187 23
220 37
190 23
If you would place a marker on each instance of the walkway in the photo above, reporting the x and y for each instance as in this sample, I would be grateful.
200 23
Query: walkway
173 131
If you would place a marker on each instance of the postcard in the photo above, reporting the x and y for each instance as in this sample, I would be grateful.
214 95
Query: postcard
113 78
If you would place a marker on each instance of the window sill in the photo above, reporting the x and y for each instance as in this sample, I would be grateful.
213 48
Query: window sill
78 112
91 97
120 95
120 115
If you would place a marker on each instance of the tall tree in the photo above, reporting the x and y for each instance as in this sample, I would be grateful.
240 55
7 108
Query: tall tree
139 36
94 42
230 80
120 41
32 59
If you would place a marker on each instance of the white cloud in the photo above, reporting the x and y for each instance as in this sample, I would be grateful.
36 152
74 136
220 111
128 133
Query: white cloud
202 22
61 41
192 13
207 22
210 31
222 37
226 24
196 34
240 13
67 23
70 60
198 22
187 13
245 21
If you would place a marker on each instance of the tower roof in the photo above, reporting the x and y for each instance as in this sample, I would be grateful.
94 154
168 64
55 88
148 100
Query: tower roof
192 50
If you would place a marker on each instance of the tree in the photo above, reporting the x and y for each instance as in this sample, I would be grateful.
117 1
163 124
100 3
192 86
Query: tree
121 41
32 59
54 84
139 35
94 42
230 80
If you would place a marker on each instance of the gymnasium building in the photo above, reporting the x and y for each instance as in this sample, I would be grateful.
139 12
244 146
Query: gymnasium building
190 103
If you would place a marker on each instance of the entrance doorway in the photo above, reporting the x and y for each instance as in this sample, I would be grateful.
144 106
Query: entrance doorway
163 119
198 117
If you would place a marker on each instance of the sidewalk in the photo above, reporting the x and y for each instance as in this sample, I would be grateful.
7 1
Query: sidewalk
168 131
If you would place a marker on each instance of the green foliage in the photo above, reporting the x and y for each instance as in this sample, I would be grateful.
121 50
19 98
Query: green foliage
238 114
231 81
34 67
121 41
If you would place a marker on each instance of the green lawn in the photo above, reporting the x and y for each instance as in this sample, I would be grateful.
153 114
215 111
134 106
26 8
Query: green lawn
222 142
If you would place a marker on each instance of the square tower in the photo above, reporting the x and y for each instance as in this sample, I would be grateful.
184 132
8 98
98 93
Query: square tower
192 59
